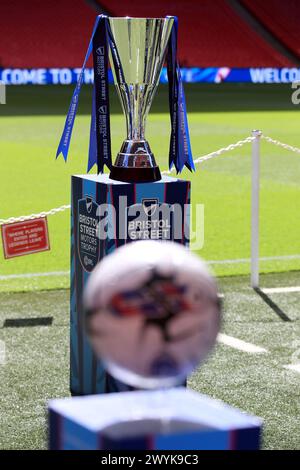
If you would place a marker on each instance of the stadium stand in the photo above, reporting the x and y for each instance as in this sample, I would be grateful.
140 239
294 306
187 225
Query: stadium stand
282 19
210 33
56 35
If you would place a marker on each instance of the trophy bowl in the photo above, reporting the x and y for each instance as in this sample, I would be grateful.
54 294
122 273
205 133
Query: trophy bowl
137 57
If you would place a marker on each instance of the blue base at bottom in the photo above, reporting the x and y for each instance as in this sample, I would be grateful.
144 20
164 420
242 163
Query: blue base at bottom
171 419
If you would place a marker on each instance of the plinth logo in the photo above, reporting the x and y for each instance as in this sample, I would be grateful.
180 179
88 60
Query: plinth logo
149 220
150 206
88 241
100 51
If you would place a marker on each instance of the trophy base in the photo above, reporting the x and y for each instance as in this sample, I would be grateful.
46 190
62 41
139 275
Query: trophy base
135 175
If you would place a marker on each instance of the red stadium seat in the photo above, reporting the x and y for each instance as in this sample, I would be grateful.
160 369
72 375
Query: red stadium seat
55 34
210 33
281 18
44 33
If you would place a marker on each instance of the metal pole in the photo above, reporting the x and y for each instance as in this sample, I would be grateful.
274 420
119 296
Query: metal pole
255 209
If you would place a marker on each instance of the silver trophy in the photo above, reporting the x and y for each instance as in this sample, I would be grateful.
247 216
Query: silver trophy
140 49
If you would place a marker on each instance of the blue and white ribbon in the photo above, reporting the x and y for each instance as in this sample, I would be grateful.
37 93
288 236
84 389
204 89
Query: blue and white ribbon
100 121
65 140
180 153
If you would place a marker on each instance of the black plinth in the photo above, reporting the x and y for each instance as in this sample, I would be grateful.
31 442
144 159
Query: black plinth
135 175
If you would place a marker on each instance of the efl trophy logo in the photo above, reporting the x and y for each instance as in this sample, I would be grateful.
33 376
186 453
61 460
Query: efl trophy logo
149 220
87 226
150 206
100 51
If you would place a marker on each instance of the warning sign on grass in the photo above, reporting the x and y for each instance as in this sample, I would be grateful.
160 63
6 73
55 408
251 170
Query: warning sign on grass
24 238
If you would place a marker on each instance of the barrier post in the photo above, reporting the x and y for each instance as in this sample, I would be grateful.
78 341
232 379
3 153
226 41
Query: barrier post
255 208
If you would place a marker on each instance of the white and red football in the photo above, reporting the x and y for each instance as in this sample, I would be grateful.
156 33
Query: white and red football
152 313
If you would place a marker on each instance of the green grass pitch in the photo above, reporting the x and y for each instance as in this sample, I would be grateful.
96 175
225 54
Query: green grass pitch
35 365
37 362
32 181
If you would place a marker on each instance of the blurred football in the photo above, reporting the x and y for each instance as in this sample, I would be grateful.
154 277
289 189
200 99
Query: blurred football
152 313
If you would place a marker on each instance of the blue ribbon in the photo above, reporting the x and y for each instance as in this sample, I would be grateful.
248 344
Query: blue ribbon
65 140
180 153
93 139
100 108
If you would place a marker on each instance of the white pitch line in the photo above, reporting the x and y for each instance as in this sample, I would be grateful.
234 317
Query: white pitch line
295 367
211 262
247 260
30 275
279 290
240 344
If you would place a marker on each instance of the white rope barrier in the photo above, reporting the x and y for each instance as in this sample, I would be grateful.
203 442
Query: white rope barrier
216 153
198 160
291 148
35 216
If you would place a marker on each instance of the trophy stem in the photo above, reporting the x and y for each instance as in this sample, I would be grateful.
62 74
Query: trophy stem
135 163
136 131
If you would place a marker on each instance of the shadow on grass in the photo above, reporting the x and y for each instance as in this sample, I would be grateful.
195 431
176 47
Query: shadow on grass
201 97
272 304
27 322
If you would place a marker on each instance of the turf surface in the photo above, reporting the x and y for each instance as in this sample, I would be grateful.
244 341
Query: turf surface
37 355
31 180
37 361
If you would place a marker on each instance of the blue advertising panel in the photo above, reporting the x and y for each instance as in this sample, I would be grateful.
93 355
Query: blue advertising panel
68 76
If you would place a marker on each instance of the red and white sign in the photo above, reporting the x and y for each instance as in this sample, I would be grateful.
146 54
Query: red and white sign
24 238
